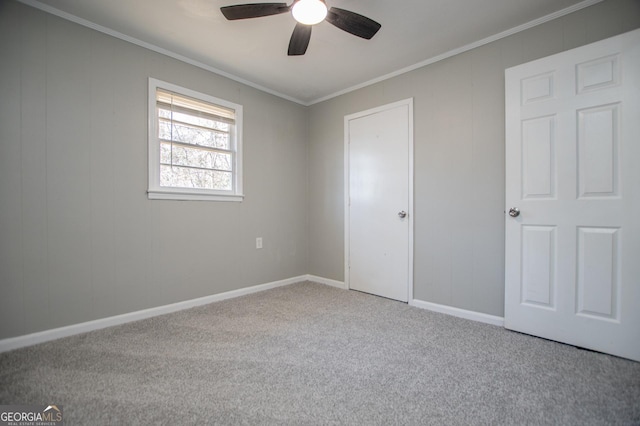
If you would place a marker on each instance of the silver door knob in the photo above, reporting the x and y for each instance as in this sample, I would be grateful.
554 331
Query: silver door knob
514 212
402 214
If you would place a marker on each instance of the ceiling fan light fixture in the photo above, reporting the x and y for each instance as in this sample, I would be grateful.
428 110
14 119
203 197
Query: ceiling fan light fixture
309 12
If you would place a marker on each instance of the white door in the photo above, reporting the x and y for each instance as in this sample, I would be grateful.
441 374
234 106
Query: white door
378 204
572 270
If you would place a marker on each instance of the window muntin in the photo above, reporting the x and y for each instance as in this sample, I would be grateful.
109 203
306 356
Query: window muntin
194 145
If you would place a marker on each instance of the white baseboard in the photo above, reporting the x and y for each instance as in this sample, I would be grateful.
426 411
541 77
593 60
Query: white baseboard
457 312
327 281
57 333
443 309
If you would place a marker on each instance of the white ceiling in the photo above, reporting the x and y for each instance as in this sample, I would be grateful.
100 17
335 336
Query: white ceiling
413 32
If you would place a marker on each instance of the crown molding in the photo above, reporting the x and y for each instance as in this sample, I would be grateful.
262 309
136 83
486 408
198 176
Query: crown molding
86 23
462 49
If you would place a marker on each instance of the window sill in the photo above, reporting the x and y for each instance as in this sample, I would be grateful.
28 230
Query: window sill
192 196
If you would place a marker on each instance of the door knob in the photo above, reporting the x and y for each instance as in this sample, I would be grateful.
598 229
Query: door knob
514 212
402 214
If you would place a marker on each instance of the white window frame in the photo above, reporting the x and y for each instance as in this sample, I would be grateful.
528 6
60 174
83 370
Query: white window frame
155 191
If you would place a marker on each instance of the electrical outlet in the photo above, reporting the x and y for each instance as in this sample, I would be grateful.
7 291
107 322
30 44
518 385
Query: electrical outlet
259 242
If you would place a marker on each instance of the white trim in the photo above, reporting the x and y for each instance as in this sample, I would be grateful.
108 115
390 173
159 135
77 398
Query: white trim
70 330
185 196
409 103
410 211
327 281
457 312
459 50
347 203
81 21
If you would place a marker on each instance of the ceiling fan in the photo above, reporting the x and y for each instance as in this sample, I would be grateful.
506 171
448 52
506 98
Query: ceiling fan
307 13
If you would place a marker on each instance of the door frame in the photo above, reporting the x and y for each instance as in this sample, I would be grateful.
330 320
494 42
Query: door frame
410 176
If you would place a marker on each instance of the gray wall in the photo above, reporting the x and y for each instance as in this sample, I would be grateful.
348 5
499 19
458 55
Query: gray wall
459 159
79 240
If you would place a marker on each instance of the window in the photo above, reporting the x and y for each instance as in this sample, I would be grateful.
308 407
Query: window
195 143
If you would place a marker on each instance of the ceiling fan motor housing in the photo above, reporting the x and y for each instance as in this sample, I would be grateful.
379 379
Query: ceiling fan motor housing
309 12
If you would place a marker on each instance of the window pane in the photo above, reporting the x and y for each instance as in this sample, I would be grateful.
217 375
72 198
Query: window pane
193 135
165 153
195 145
194 157
182 177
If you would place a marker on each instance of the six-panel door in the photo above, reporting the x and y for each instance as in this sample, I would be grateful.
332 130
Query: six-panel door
572 269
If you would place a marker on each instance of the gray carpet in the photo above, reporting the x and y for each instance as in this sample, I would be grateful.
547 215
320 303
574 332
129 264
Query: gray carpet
309 354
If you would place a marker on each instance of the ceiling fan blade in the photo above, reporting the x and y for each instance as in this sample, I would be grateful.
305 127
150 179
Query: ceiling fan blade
353 23
253 10
299 40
